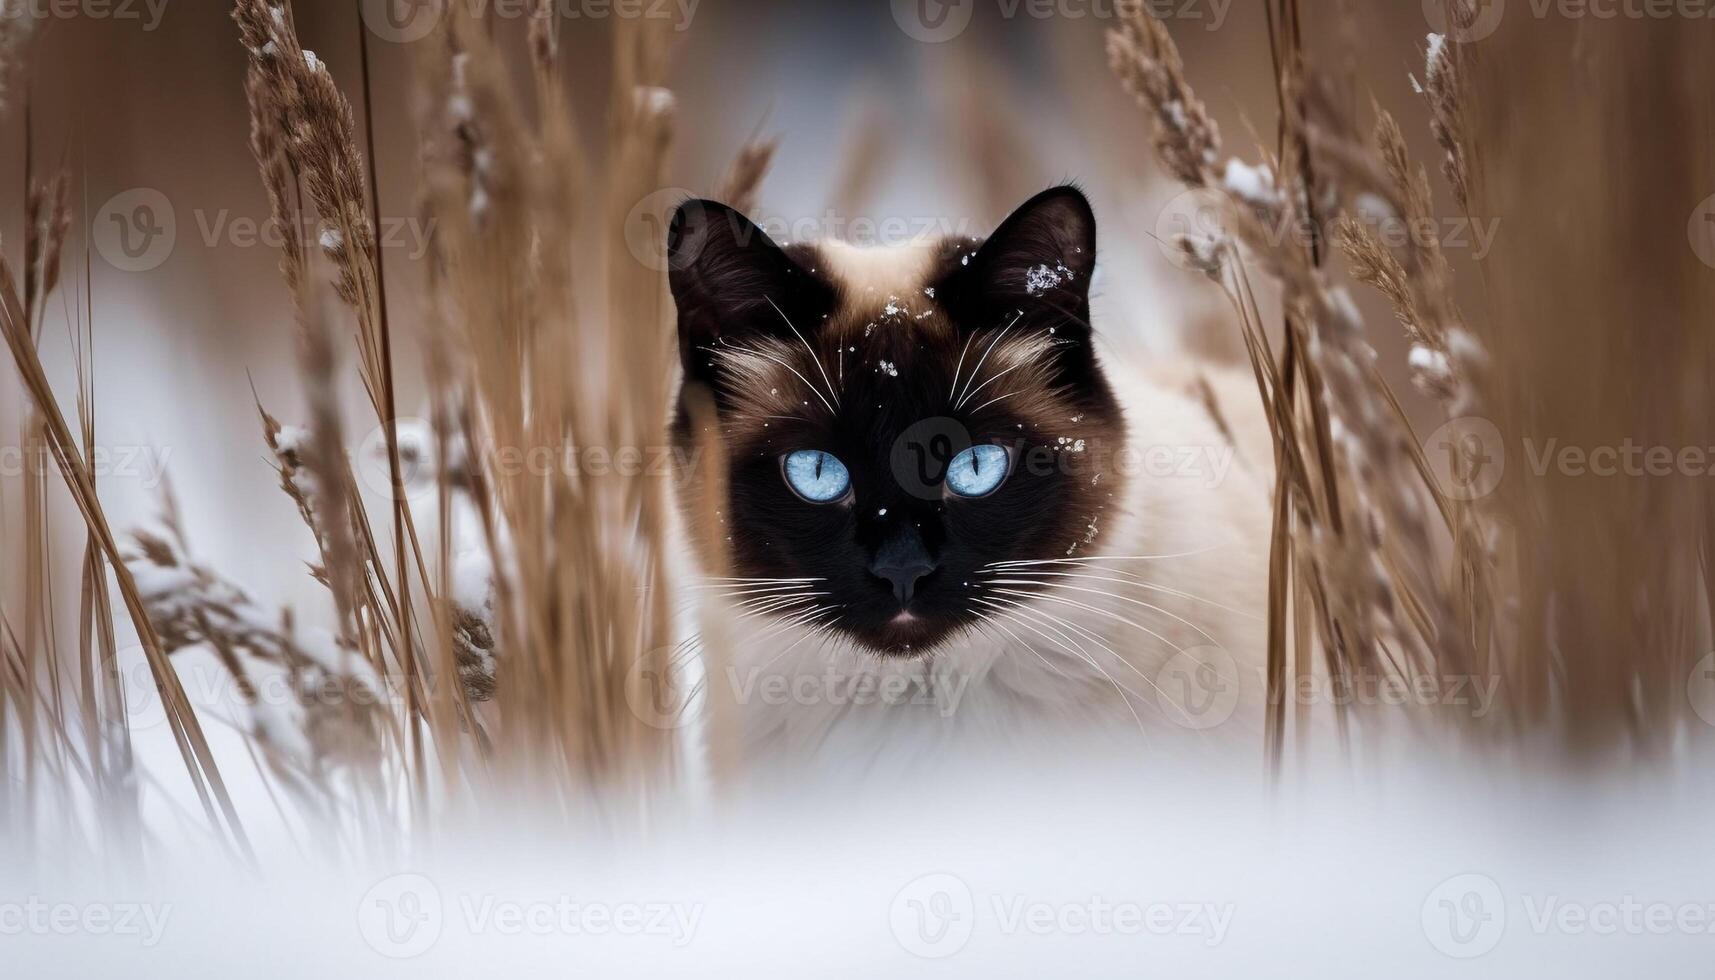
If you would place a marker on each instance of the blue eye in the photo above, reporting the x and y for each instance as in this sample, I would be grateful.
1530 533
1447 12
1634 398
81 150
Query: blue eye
977 472
816 476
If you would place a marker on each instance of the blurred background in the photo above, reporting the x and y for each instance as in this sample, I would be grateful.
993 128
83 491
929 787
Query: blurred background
885 130
892 119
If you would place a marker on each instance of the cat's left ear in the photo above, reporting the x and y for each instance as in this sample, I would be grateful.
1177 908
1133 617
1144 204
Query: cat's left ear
1038 261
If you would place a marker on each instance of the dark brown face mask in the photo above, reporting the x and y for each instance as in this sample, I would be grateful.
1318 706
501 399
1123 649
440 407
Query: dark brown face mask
886 444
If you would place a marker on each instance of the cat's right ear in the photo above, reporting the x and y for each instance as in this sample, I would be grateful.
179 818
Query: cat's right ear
730 281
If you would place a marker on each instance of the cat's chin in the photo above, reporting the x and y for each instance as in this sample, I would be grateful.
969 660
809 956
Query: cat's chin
905 635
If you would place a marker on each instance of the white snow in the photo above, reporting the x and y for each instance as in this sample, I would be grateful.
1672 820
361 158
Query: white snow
1374 208
1437 48
292 438
1427 360
1040 279
1254 184
655 100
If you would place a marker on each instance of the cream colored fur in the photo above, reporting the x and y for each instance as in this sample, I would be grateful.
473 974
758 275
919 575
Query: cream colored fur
1157 643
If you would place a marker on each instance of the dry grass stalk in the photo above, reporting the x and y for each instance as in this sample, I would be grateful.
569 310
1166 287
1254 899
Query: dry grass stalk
1592 636
303 127
864 155
47 217
64 448
17 25
1597 312
576 602
1353 552
738 189
993 138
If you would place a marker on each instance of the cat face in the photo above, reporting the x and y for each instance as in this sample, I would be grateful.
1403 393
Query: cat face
895 421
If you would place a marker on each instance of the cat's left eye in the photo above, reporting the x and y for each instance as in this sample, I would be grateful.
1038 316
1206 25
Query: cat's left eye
818 477
978 471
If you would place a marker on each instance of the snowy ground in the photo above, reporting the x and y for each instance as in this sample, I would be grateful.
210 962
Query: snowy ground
998 874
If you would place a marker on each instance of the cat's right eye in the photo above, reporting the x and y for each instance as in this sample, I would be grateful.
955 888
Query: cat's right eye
816 476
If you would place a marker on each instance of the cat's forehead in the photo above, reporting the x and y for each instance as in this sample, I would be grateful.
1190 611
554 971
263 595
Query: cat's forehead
864 272
894 284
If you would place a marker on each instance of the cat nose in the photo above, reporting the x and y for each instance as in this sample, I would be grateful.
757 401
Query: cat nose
902 560
903 577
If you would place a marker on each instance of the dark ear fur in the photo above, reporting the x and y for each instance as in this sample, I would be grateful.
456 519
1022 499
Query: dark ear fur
1038 261
727 277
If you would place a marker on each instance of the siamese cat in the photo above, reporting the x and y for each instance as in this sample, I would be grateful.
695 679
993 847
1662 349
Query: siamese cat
948 521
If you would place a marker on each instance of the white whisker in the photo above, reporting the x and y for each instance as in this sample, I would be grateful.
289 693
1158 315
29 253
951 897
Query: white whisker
960 367
992 379
1163 698
979 368
991 401
1049 597
1077 651
998 623
770 357
1091 558
1101 592
831 392
1129 579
